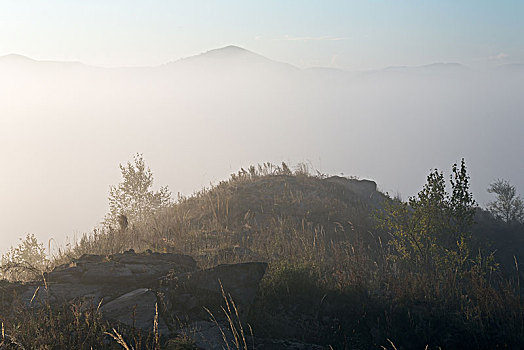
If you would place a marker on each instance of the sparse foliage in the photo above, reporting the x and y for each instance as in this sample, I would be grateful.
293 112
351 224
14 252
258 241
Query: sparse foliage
329 281
133 199
508 206
25 261
430 231
264 169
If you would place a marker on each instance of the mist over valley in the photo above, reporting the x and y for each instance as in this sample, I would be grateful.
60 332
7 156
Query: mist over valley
66 126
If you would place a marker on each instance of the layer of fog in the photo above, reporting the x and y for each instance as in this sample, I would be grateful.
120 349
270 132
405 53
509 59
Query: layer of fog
65 128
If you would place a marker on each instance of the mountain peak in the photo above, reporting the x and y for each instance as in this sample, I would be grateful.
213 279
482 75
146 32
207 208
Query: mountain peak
228 52
230 57
231 48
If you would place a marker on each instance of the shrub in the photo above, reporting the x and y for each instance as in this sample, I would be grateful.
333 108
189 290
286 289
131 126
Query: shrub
133 200
25 262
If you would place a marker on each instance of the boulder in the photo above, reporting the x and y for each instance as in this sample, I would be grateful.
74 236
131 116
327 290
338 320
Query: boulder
238 280
149 258
135 309
130 289
108 273
129 268
38 295
65 274
186 295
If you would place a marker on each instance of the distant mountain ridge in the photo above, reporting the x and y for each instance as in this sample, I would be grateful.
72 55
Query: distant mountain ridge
16 57
436 65
237 55
228 52
231 58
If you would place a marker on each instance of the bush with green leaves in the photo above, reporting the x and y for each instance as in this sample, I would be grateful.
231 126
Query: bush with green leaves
431 231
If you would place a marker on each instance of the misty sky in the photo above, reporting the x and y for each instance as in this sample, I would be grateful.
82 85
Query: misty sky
65 128
352 35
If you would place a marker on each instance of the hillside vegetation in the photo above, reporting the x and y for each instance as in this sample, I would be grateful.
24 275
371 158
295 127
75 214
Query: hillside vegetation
349 266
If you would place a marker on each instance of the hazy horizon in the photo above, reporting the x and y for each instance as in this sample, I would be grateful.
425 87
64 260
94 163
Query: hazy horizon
89 120
350 35
378 90
116 66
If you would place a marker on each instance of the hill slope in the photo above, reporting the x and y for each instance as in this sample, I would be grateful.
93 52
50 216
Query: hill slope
332 278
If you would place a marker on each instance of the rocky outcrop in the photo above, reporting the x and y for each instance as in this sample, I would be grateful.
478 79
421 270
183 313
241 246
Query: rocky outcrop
134 289
185 294
136 309
364 188
125 268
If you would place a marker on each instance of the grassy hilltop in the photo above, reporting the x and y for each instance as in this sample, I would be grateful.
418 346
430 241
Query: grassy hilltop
344 264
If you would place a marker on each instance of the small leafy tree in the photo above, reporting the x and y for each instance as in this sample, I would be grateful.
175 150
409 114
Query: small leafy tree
508 206
430 232
133 200
26 261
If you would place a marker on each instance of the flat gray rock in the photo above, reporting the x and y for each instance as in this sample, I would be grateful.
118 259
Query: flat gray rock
134 309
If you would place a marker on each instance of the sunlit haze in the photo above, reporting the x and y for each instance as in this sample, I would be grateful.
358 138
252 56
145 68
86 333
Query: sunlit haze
383 90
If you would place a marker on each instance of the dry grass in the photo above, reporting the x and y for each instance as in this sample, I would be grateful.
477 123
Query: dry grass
329 280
